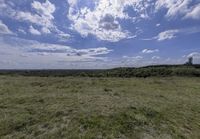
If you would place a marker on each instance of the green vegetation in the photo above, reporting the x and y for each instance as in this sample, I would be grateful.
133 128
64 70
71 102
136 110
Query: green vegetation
150 71
95 108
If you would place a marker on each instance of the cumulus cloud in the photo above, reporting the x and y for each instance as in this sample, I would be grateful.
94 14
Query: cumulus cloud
109 30
45 30
167 35
40 15
194 13
4 29
102 21
101 18
34 31
183 8
44 9
43 17
148 51
6 8
173 33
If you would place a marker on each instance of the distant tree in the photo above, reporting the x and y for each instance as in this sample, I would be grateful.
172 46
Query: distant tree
190 61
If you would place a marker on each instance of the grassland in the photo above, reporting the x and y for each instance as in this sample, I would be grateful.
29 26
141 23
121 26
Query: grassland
95 108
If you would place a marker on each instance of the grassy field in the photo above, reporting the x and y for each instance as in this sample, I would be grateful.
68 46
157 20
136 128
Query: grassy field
99 108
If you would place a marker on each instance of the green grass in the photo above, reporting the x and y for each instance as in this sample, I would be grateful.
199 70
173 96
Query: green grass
95 108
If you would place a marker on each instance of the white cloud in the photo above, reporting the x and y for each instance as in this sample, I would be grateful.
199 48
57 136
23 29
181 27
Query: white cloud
26 54
40 15
63 36
194 55
155 58
148 51
44 9
174 7
167 35
2 4
21 31
4 29
173 33
20 48
194 13
182 8
157 25
128 61
45 30
134 58
32 18
6 9
34 31
103 20
43 16
20 53
67 50
170 34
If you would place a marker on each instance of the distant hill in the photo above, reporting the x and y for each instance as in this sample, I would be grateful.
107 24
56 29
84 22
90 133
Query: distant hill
148 71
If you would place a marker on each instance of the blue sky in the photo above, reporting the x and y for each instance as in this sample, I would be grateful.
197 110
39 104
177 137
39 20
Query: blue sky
84 34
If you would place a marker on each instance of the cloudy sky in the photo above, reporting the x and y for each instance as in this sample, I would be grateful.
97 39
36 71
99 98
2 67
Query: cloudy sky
73 34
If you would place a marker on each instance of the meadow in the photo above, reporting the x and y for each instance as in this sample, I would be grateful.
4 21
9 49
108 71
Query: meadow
99 108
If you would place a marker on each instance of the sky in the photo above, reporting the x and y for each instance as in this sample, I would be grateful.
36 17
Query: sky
98 34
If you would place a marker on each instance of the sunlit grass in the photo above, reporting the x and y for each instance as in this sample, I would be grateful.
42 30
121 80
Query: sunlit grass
73 107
